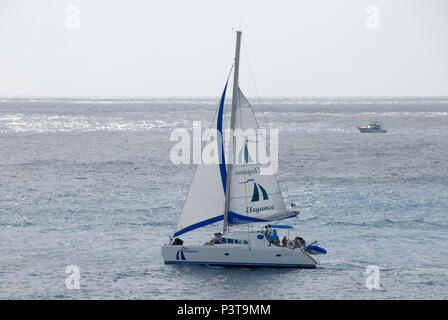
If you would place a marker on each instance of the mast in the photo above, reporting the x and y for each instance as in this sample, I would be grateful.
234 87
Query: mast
232 126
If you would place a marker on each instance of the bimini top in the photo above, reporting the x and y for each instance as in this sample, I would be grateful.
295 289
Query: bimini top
281 226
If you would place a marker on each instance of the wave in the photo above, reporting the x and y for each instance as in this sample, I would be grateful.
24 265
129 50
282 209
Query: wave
414 223
46 123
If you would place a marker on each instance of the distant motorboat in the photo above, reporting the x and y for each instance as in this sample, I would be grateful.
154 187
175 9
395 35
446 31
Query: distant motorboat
373 127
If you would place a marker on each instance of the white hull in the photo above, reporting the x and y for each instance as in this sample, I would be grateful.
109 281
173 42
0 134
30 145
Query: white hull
238 256
371 130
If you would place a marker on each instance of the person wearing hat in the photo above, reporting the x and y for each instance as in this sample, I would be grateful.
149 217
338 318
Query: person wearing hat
216 239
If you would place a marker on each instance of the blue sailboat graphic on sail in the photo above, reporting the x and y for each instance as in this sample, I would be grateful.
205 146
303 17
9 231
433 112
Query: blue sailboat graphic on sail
257 190
256 194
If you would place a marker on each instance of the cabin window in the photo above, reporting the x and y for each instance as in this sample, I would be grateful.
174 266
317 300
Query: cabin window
236 241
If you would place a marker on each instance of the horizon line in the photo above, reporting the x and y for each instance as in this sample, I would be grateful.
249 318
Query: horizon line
111 97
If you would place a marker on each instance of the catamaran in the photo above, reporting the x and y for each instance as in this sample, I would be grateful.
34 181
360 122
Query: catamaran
236 192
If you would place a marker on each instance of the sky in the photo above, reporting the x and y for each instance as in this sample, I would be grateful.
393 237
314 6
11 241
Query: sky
186 48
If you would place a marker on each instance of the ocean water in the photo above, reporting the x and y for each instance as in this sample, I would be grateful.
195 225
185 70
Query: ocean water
89 183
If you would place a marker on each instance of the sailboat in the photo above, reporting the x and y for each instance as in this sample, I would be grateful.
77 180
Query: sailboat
237 192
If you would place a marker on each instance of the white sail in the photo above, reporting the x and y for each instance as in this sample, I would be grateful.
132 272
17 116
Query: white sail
205 200
253 196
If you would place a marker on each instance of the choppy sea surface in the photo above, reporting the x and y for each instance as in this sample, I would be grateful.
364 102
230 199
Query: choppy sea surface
89 183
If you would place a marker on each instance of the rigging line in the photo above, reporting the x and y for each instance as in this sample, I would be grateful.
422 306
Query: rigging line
256 88
259 103
250 71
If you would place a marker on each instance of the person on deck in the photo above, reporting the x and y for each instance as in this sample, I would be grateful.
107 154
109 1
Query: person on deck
269 231
216 239
303 242
274 238
297 243
284 241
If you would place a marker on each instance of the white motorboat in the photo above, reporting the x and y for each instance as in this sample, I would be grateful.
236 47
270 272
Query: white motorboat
372 127
235 192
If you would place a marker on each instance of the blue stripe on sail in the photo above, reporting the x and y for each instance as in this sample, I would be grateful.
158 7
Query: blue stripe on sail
222 160
199 225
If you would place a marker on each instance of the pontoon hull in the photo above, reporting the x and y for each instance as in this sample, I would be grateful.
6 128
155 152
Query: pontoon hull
237 256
